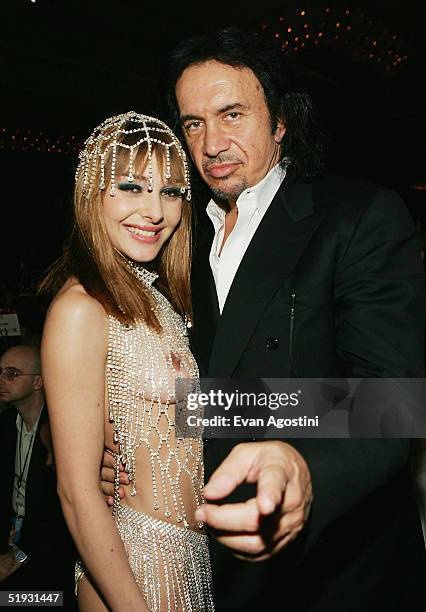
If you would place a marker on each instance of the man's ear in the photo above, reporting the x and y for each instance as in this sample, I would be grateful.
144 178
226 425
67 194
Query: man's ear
38 383
279 131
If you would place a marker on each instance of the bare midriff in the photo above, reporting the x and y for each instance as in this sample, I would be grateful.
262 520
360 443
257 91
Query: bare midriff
144 500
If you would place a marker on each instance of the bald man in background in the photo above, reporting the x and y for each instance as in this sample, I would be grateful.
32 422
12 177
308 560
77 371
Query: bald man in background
36 550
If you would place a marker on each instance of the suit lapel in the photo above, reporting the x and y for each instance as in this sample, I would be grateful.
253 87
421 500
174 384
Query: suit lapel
9 448
204 298
38 449
276 247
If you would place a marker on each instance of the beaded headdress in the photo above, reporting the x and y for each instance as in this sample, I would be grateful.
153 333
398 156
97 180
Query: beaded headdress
111 135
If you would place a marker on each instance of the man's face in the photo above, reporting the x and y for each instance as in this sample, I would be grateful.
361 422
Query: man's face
227 126
24 383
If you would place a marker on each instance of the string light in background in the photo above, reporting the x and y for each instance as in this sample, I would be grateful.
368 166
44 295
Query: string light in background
355 33
352 31
36 141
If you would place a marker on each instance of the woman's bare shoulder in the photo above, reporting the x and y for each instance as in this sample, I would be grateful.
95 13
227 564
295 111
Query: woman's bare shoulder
73 305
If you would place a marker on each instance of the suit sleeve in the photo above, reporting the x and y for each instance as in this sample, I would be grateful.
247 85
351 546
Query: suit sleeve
379 322
379 295
44 532
7 423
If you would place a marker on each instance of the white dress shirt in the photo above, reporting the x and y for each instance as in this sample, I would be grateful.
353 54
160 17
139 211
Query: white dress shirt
252 204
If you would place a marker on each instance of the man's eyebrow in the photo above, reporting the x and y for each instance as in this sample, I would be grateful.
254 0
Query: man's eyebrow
223 109
230 107
184 118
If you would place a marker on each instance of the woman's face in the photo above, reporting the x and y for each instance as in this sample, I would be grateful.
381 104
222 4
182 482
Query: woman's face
139 222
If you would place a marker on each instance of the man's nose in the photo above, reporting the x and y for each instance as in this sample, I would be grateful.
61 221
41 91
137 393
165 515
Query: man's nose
215 140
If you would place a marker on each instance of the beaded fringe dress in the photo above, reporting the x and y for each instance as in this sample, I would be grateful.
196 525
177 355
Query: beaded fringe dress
169 559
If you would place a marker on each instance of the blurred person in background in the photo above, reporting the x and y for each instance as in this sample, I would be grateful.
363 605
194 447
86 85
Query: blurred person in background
36 549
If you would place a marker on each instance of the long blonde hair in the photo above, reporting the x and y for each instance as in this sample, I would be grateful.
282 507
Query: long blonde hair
92 259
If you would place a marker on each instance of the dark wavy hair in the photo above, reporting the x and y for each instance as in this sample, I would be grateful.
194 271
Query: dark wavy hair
233 46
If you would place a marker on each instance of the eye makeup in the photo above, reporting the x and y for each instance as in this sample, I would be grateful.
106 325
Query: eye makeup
130 187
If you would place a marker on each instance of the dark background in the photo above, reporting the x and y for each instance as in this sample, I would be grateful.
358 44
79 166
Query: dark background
68 64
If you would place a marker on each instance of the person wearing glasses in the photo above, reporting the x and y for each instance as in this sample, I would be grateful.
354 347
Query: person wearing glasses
36 549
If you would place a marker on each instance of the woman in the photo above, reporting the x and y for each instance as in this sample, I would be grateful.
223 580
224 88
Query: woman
113 346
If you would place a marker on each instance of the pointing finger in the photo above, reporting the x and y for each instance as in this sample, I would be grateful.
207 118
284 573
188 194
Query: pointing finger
233 470
238 517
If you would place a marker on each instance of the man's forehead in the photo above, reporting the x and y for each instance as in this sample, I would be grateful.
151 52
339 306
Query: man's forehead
215 72
10 361
216 85
16 358
10 364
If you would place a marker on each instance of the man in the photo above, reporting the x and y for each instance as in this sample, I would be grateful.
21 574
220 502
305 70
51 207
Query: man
297 273
36 550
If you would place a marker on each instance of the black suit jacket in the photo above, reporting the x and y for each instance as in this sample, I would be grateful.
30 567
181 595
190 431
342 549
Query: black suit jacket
347 251
44 537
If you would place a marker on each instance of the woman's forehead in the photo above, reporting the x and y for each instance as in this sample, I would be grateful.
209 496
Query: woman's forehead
141 162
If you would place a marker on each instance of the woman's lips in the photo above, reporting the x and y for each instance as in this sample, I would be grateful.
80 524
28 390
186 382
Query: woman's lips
143 235
221 170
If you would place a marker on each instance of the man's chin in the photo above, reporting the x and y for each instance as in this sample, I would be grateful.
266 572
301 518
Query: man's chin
227 191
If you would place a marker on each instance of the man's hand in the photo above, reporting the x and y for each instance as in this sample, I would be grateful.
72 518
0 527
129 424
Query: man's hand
261 526
8 565
107 478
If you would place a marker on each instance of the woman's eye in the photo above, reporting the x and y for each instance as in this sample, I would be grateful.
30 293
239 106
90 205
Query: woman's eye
172 193
130 187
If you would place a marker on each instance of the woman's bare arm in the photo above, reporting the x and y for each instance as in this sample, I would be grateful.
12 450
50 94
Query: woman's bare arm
74 350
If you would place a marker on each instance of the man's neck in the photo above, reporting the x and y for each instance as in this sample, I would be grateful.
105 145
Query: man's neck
29 409
230 222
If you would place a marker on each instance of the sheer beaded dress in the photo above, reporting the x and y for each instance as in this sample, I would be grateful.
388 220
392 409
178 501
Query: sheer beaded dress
167 549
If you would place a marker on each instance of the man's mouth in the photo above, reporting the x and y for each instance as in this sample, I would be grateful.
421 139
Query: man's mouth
221 170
